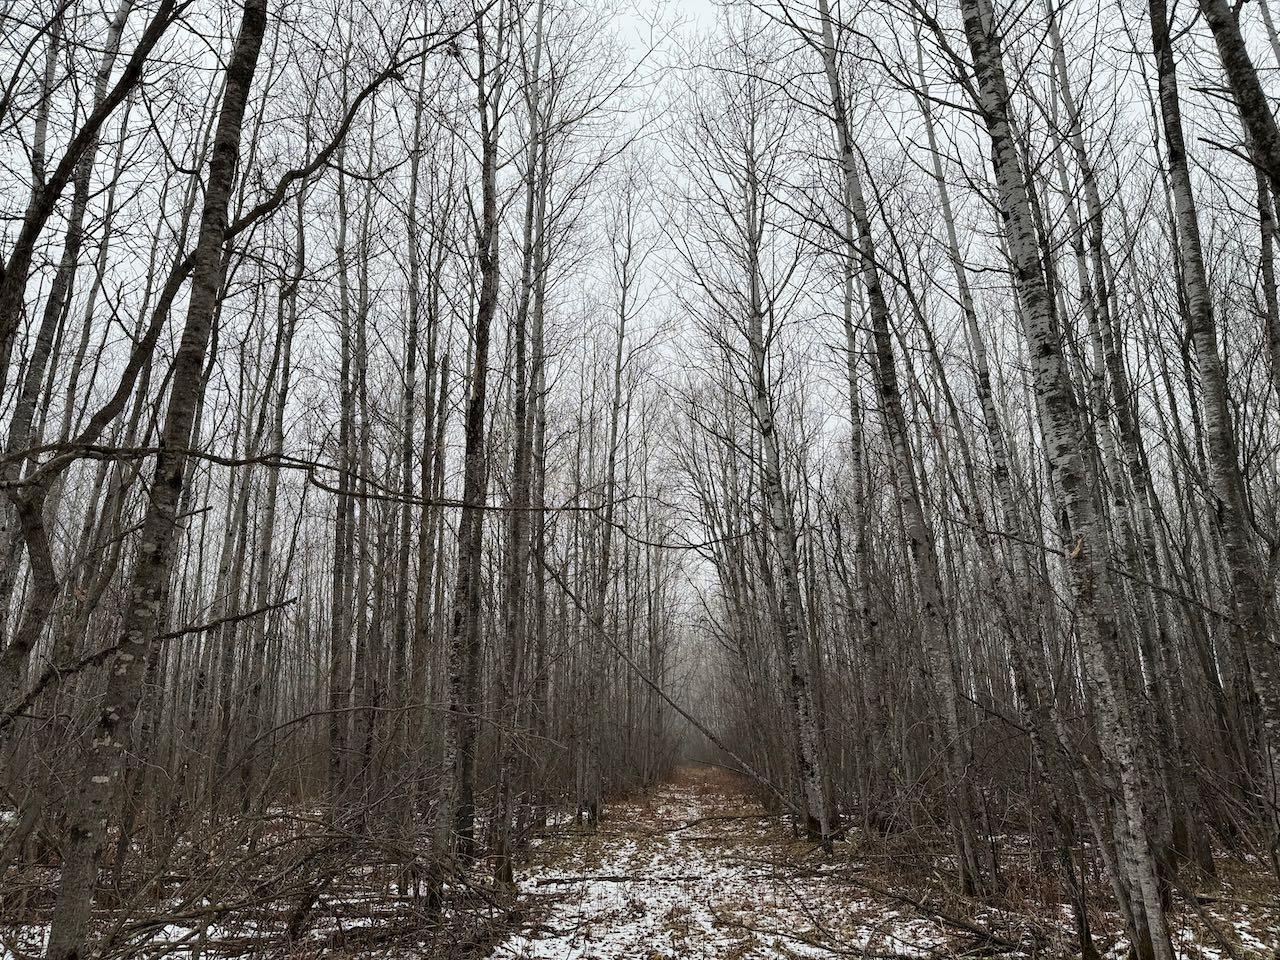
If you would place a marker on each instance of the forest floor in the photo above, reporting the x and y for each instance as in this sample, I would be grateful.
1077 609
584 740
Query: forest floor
698 870
695 870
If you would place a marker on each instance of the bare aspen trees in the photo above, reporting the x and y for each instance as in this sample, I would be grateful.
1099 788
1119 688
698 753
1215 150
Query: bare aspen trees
146 600
455 819
921 542
1231 503
1059 419
429 427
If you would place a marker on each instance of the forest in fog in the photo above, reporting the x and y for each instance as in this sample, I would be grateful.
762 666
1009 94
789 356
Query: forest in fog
430 424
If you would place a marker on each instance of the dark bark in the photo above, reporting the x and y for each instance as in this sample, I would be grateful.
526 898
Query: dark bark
104 763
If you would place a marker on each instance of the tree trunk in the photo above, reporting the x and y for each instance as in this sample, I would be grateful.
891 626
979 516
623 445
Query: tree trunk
455 816
109 743
1073 479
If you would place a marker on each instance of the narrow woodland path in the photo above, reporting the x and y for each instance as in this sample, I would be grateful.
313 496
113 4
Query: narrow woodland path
697 870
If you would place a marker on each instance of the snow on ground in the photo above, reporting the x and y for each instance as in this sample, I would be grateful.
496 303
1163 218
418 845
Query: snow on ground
694 872
697 872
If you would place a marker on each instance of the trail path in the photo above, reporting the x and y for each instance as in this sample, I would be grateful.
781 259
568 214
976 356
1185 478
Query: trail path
697 871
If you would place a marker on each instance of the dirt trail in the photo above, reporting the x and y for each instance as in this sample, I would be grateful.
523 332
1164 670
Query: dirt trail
697 871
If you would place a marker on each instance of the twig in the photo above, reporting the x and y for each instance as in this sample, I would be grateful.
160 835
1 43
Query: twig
57 672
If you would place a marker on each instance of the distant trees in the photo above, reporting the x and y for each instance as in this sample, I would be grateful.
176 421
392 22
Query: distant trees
249 559
870 392
748 270
1011 534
